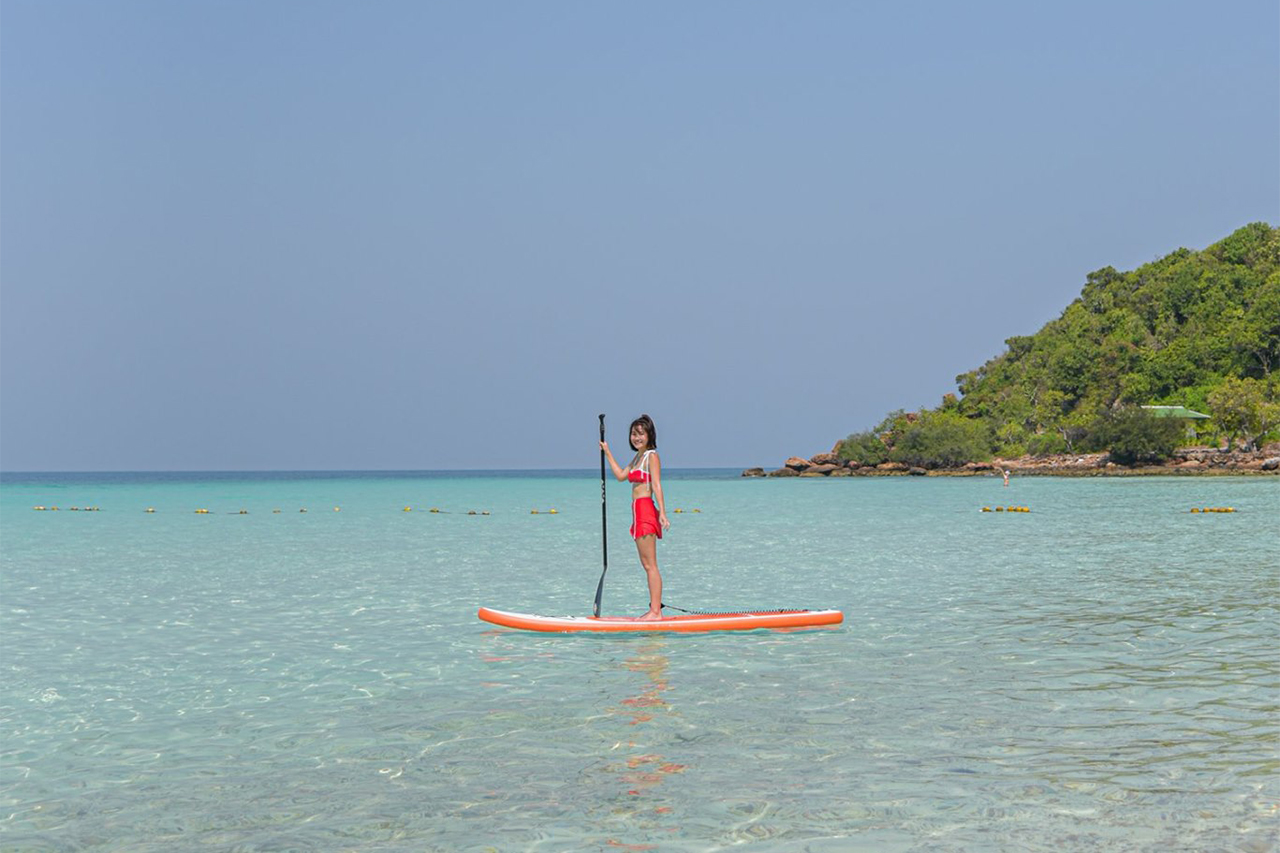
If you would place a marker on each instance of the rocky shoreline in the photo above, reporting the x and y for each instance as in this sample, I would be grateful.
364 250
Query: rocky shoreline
1185 461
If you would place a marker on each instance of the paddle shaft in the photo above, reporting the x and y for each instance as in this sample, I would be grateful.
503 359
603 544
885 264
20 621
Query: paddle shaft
604 526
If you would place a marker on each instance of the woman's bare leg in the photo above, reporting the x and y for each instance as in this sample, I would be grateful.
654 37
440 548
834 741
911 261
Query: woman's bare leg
647 546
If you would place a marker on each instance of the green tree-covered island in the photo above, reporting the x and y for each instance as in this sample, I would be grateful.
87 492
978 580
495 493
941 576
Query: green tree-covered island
1169 368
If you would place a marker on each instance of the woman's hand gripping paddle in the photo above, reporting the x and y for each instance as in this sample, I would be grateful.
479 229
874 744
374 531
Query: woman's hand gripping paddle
604 525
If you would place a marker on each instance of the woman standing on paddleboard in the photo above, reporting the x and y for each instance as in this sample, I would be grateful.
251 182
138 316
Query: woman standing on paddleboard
648 512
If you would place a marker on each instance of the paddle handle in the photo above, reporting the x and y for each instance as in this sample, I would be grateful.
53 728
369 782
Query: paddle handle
604 526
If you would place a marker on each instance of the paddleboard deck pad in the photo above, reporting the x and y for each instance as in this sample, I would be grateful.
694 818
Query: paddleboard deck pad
684 623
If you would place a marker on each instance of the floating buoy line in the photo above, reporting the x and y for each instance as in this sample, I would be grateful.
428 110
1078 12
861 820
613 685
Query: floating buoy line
206 511
408 508
1213 509
1007 509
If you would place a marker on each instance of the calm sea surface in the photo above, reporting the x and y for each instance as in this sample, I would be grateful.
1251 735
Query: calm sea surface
1101 673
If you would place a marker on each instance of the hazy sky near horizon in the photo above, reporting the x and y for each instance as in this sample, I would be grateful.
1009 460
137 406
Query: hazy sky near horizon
402 235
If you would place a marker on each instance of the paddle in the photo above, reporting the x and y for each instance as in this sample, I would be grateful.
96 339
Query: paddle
604 525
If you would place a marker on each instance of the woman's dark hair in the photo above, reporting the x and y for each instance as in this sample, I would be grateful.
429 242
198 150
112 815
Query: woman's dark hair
647 423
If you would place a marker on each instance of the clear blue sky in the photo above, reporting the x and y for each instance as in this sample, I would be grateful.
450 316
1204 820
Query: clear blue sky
343 235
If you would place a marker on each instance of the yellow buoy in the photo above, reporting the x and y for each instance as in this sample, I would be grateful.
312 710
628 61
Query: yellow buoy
275 510
533 512
697 510
434 509
151 509
554 511
337 509
408 509
304 509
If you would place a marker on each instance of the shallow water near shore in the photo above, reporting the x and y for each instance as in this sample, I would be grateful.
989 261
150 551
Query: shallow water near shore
1099 673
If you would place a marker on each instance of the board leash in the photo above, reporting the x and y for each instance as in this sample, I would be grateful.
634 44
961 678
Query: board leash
666 606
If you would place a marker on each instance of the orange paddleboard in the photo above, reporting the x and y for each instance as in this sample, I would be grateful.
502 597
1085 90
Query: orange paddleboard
685 623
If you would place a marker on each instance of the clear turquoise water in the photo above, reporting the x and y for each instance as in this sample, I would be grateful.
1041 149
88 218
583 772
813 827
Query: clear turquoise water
1101 673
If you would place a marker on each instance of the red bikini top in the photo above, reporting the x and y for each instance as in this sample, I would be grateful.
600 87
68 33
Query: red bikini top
639 474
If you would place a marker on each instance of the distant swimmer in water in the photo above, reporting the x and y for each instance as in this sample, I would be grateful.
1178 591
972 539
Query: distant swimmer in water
1006 476
648 510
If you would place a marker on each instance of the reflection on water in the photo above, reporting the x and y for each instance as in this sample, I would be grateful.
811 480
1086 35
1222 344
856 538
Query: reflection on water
650 662
648 769
638 768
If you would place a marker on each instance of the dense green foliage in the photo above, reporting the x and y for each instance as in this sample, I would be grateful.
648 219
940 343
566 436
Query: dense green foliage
1132 434
864 447
1197 329
1242 408
930 439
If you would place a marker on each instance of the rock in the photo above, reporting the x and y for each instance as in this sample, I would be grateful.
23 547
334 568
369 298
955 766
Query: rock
852 464
784 472
841 472
916 471
824 459
1190 463
811 473
821 469
796 463
753 472
1271 464
891 466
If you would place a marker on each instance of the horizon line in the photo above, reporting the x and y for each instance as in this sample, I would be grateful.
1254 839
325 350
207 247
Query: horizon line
332 470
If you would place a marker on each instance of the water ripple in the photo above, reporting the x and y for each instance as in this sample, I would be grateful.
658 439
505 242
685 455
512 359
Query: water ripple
1098 674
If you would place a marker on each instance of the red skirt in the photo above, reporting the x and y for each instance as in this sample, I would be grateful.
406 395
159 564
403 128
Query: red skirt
644 519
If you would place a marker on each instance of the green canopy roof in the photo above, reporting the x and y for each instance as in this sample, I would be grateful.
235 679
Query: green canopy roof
1175 412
